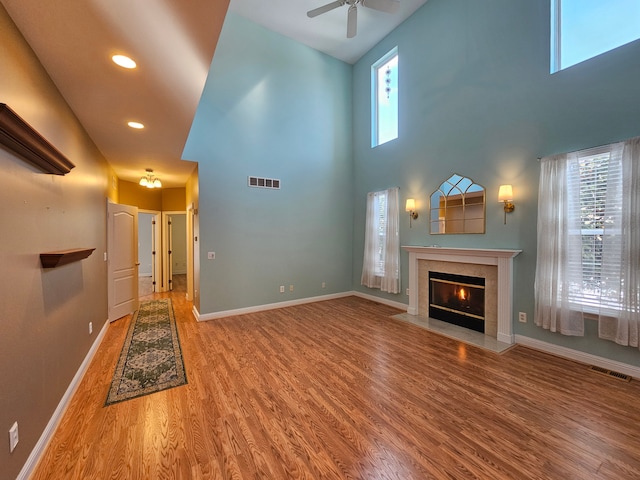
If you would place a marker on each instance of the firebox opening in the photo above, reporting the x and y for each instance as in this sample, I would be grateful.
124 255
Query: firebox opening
457 299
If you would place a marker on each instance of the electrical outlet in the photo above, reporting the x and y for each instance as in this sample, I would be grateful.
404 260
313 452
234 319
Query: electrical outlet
407 292
281 288
13 437
90 328
291 288
324 285
522 317
211 255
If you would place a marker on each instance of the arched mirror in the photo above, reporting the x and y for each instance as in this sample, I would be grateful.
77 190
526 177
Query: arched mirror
458 206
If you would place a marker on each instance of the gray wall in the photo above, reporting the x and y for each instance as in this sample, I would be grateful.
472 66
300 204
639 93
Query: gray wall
44 314
145 244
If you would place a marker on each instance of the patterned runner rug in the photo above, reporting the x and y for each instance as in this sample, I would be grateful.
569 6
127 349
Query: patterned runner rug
151 359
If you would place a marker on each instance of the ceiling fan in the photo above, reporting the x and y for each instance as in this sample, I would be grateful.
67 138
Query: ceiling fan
387 6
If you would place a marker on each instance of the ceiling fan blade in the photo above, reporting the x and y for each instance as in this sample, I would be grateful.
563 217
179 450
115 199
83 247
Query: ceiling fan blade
325 8
352 21
388 6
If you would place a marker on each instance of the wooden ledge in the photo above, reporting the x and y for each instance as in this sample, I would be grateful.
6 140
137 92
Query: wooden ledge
62 257
23 140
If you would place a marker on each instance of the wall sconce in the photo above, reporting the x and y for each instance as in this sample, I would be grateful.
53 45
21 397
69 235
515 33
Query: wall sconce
410 207
149 180
505 195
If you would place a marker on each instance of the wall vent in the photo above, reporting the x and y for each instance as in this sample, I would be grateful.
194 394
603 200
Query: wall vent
610 373
261 182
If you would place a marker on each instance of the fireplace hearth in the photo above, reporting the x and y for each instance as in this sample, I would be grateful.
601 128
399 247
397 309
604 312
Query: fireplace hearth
457 299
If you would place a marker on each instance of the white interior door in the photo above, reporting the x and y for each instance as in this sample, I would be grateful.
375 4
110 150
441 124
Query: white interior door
122 256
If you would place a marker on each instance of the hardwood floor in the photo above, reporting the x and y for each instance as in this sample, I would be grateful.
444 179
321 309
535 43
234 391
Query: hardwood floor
339 390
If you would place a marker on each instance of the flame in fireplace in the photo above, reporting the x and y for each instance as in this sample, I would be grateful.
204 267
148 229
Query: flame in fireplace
463 294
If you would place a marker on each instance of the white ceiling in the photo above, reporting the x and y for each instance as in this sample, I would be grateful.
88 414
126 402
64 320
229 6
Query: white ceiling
327 32
173 44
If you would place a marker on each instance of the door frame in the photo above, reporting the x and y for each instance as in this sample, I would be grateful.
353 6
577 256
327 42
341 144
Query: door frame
156 240
166 262
191 246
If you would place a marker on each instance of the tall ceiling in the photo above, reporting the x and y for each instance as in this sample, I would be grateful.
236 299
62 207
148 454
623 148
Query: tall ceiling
327 32
173 44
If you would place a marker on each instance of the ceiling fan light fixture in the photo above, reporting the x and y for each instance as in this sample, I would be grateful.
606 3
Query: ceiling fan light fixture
387 6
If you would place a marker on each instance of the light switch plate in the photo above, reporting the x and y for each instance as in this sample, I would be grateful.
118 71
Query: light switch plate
13 437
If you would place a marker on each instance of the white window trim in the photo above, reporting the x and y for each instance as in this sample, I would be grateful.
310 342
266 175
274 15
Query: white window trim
556 35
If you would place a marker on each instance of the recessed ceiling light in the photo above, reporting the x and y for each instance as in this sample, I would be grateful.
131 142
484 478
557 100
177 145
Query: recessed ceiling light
123 61
137 125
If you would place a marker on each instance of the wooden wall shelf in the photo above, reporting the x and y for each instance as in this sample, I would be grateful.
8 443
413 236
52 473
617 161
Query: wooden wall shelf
62 257
23 140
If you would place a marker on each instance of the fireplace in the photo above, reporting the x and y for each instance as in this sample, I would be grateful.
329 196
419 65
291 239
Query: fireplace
457 299
494 265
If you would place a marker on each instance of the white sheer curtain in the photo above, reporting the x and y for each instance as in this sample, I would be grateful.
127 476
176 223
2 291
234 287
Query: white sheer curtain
558 215
623 251
590 263
381 262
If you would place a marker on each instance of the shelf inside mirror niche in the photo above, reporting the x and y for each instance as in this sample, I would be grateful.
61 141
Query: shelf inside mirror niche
22 139
63 257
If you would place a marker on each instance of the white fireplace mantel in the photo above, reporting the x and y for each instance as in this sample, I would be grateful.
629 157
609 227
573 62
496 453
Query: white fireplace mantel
502 258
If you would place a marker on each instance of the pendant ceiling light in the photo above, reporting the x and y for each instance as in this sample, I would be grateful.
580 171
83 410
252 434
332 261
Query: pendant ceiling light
149 180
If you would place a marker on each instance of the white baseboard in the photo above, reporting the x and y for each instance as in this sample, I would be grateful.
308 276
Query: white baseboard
582 357
271 306
47 434
384 301
268 306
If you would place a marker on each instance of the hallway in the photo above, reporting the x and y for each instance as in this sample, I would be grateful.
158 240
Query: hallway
145 285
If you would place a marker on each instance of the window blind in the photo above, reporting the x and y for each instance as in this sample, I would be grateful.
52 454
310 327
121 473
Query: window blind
596 187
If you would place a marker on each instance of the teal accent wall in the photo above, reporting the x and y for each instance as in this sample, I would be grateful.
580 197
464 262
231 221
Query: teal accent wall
272 108
476 98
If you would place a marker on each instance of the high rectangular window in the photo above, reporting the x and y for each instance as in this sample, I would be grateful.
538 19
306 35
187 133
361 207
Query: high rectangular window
384 87
583 29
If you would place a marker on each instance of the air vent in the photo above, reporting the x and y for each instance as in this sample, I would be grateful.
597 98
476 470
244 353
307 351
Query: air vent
261 182
610 373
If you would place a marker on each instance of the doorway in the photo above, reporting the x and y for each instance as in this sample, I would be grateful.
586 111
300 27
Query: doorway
175 265
162 252
149 269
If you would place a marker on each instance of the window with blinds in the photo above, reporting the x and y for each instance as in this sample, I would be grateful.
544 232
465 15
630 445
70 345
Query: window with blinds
380 206
598 180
